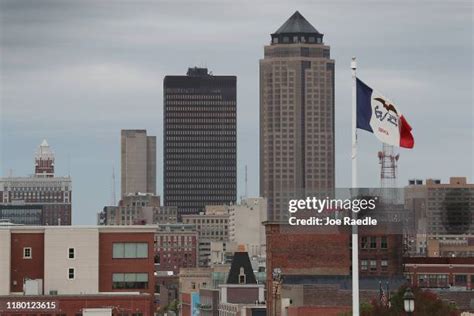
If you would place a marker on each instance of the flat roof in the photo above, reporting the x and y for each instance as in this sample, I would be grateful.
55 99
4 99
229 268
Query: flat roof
105 229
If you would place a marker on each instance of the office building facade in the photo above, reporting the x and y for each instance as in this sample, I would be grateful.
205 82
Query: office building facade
138 162
200 140
296 115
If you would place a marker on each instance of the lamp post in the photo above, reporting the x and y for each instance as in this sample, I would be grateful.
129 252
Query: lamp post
409 301
277 278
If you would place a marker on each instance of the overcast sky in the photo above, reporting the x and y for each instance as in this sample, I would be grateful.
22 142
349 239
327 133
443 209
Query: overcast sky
77 72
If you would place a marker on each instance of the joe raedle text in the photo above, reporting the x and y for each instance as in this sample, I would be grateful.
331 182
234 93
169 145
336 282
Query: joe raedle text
327 221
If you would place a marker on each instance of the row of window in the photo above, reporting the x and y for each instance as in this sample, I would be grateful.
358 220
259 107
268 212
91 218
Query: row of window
193 96
372 242
34 189
201 133
211 115
130 250
190 152
185 142
371 265
130 280
28 253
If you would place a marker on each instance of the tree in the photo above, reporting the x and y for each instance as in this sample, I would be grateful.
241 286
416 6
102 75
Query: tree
427 303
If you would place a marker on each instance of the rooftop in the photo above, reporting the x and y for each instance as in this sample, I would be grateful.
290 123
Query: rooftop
296 24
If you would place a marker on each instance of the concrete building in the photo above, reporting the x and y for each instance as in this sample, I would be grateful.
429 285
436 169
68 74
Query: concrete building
138 209
441 211
441 272
296 116
176 247
442 208
67 267
138 162
41 199
246 225
450 246
200 140
213 228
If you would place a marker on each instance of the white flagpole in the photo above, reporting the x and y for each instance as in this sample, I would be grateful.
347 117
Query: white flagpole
355 236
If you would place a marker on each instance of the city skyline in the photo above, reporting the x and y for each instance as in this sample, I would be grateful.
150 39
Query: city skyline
97 76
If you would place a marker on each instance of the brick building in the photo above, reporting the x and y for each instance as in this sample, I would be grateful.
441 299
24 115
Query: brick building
176 247
298 252
76 267
454 273
41 199
380 253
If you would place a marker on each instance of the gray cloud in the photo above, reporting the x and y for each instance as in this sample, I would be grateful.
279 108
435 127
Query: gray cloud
77 72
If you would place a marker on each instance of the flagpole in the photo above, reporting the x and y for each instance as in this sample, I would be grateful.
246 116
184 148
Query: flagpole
355 236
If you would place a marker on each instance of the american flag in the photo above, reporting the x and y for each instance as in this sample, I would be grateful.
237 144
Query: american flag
384 299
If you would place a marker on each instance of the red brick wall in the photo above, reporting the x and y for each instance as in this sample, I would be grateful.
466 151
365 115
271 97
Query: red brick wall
26 268
174 258
299 251
108 265
315 311
73 305
242 295
393 253
185 304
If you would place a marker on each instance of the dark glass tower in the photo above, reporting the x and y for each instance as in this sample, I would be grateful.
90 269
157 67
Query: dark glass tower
200 140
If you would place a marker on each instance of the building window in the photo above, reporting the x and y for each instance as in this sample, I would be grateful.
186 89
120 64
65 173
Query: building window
383 242
384 264
71 273
130 280
363 265
130 250
460 280
71 253
242 276
364 243
373 242
373 265
27 253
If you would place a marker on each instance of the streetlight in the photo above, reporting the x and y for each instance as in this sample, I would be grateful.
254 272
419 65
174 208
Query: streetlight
277 279
409 301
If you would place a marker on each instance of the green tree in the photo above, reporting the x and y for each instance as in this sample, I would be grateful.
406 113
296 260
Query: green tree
427 303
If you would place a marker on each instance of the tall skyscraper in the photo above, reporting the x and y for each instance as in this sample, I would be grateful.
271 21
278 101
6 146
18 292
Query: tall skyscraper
138 158
296 115
200 140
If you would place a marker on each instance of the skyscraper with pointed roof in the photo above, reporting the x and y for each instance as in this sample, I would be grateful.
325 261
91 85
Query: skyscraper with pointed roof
296 116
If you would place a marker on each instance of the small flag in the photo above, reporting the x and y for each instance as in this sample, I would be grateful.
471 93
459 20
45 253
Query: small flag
378 115
382 296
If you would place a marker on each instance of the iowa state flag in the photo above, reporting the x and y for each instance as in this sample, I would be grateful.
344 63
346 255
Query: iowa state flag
378 115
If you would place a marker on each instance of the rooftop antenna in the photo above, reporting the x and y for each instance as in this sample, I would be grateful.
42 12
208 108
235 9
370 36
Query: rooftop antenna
246 182
69 164
113 199
388 161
